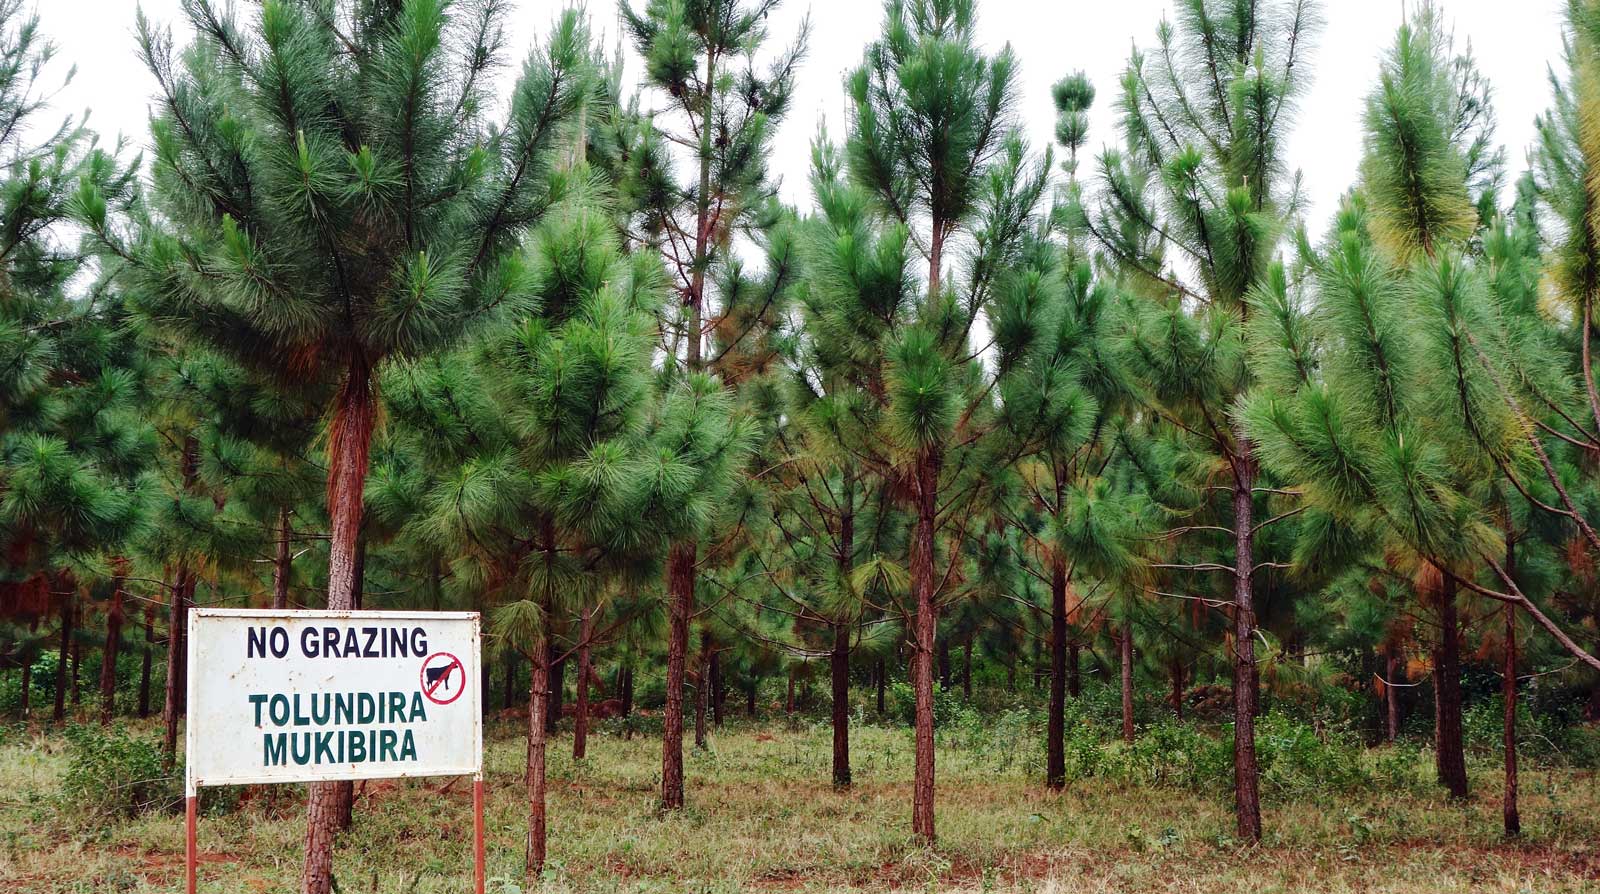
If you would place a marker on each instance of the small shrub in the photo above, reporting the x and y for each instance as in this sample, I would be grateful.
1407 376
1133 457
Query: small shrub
111 773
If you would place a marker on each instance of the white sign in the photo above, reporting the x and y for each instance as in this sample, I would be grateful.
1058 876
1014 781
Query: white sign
301 696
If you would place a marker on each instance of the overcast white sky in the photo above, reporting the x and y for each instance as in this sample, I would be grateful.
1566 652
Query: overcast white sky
1514 43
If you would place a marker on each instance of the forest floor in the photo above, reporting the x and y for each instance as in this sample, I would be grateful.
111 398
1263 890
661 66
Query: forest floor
762 816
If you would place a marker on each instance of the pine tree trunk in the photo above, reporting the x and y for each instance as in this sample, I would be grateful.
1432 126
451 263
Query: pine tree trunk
680 591
77 658
538 687
1246 771
925 631
839 665
627 693
718 696
750 687
144 664
1450 750
59 715
27 690
701 684
1125 649
1055 755
1392 670
108 654
580 713
283 563
558 691
788 700
349 443
177 654
1513 820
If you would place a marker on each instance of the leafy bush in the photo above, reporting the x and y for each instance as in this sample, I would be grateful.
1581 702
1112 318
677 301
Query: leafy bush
1297 760
111 773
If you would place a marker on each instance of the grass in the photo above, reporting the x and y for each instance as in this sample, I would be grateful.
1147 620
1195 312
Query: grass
763 816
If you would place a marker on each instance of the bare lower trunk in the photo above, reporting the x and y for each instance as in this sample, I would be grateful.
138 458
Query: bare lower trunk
1513 820
925 631
26 705
966 670
177 626
839 665
580 714
1450 749
719 693
1055 774
1125 649
627 692
108 654
1392 671
788 699
558 690
883 685
680 592
1246 772
59 715
701 684
282 564
349 443
538 687
144 664
750 695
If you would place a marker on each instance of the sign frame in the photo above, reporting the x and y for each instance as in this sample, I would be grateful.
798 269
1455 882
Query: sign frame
191 734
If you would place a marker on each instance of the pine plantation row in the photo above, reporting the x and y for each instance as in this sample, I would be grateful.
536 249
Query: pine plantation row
355 331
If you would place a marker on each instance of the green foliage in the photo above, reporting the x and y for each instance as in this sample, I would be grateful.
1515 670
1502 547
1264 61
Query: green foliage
114 773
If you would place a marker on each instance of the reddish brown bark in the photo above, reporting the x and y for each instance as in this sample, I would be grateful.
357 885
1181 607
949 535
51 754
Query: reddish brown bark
177 626
538 686
702 682
1449 740
580 714
925 631
1055 774
108 654
59 714
1125 650
144 664
1513 819
1246 771
282 564
839 665
1392 671
680 593
349 443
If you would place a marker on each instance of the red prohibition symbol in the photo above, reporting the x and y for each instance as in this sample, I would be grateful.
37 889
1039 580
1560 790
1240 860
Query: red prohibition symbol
436 677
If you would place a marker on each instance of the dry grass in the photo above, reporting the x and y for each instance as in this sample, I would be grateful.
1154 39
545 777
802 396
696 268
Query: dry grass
762 816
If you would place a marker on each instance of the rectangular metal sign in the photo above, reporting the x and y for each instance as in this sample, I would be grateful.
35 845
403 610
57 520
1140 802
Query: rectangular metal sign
305 696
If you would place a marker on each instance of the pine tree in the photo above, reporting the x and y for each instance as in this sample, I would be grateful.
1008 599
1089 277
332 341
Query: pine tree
932 144
722 113
332 196
1191 214
72 446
